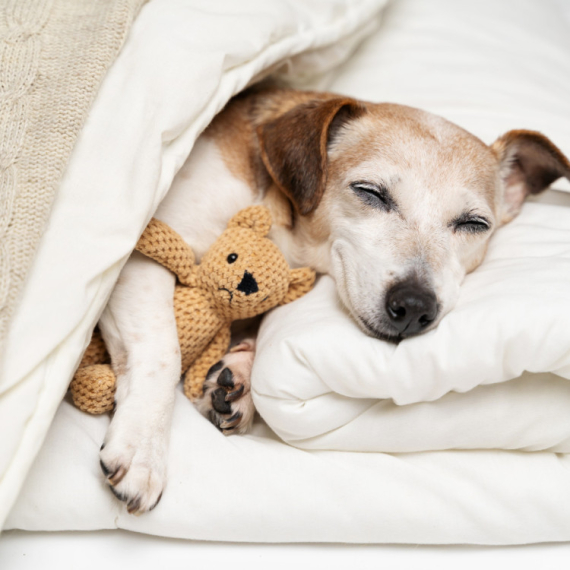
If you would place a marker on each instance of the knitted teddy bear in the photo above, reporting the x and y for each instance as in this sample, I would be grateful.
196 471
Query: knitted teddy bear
242 275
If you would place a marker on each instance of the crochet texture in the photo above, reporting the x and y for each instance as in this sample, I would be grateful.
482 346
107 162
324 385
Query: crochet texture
242 275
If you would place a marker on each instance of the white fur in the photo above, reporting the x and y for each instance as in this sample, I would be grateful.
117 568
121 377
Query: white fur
371 249
140 331
203 197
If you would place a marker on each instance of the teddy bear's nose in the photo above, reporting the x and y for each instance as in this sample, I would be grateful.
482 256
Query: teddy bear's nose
248 284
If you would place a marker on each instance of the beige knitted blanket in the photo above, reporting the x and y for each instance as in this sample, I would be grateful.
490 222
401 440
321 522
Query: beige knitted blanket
53 56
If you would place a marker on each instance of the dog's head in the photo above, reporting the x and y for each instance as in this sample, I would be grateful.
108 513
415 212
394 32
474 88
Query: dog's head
401 202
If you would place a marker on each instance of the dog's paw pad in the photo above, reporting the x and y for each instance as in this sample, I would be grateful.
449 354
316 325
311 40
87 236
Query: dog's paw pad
226 377
219 401
227 399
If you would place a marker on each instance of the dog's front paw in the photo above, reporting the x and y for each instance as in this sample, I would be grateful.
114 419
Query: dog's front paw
227 396
134 465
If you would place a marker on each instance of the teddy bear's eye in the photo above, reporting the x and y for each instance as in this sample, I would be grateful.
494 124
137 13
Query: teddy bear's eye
232 257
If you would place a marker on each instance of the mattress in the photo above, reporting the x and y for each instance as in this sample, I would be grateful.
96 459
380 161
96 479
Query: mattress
487 66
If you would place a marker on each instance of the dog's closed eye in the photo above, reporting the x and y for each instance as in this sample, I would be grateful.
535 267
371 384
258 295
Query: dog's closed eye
374 195
471 223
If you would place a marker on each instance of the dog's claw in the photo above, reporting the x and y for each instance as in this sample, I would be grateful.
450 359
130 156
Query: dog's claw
134 505
233 396
214 368
157 501
119 496
214 418
231 422
117 476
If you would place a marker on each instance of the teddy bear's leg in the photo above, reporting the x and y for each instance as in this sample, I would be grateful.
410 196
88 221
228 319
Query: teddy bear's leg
195 376
96 351
139 329
227 398
93 389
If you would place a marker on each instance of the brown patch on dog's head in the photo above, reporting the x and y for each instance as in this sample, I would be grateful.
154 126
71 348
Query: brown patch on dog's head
294 147
528 162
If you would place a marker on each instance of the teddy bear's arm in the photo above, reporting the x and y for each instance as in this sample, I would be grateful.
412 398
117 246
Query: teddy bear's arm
302 281
161 243
196 375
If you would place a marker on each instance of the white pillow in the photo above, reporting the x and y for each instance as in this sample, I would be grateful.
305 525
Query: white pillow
317 377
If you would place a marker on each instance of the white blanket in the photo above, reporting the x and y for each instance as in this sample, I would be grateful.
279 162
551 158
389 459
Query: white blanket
487 66
183 60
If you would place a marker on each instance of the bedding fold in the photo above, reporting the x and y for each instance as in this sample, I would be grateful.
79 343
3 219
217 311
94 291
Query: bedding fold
255 488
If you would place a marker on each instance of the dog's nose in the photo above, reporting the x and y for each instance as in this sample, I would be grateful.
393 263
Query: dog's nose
248 284
411 307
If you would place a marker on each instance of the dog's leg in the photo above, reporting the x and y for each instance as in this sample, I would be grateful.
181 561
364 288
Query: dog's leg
227 398
139 328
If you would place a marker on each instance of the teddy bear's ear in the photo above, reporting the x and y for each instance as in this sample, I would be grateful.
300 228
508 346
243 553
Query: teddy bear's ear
302 281
256 218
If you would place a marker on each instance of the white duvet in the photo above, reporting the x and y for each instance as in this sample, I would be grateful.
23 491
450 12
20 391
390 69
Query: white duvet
467 427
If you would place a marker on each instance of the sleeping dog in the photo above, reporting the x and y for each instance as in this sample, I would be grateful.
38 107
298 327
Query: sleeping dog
396 204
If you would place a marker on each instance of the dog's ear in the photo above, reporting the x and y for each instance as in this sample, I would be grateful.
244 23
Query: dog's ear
529 162
256 218
302 280
294 147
